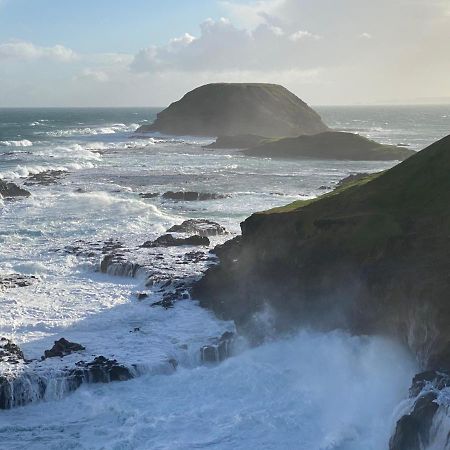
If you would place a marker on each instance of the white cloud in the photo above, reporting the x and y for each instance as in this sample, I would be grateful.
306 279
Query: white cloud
365 36
92 74
300 35
253 14
27 51
222 46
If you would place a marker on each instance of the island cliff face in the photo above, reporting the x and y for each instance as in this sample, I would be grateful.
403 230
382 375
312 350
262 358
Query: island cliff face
238 108
370 257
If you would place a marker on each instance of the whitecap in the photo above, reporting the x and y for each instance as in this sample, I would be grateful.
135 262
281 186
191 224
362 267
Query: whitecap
22 143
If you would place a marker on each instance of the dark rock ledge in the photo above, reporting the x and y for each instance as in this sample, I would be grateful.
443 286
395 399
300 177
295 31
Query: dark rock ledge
18 388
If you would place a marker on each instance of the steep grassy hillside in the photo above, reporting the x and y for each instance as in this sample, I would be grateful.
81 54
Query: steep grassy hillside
373 257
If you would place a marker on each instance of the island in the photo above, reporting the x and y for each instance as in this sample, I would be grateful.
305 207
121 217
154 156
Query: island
331 145
223 109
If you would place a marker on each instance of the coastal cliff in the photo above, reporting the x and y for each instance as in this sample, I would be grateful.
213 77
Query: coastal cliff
238 108
371 257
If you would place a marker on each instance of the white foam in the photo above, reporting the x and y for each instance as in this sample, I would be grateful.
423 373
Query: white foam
21 143
312 392
25 171
92 131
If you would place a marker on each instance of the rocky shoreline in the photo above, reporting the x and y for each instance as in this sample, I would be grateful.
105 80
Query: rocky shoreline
66 366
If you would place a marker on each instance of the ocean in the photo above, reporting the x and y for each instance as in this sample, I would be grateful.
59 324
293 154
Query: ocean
305 391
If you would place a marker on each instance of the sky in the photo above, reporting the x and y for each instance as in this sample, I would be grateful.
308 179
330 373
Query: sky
150 52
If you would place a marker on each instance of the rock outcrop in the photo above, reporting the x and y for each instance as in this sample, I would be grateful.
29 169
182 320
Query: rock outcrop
329 145
191 196
202 227
238 108
62 347
9 190
369 257
168 240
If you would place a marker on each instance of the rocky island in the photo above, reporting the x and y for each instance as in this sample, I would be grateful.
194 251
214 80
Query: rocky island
337 145
235 109
329 145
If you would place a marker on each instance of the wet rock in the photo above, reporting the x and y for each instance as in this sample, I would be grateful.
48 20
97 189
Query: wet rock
202 227
16 280
438 380
196 257
46 178
9 190
190 196
412 431
101 370
61 348
114 264
141 295
10 352
149 194
218 350
168 240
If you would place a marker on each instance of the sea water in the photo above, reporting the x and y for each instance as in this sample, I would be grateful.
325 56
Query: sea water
307 391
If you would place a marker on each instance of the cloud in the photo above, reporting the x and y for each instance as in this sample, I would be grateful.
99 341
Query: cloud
222 46
27 51
365 36
301 35
94 75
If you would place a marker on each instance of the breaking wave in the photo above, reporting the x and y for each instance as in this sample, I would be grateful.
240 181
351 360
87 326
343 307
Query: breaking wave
21 143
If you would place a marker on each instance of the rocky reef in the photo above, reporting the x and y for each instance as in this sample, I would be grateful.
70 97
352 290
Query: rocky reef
329 145
224 109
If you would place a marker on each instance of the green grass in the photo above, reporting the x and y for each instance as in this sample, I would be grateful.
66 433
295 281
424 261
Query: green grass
302 203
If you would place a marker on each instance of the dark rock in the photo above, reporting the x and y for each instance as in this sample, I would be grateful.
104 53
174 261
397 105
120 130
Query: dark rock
61 348
166 303
191 196
225 109
117 265
413 430
46 178
219 349
141 295
10 352
9 190
168 240
196 257
101 370
16 280
202 227
149 194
